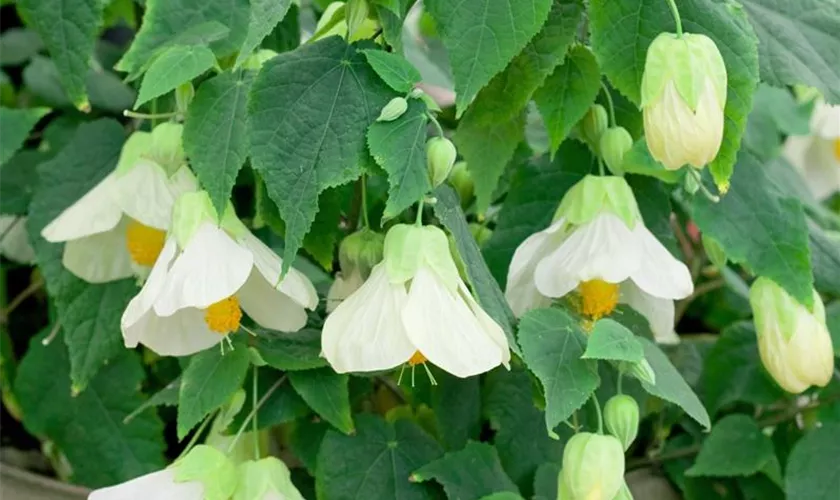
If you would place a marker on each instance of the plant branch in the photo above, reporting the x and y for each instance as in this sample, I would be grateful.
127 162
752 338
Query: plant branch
699 290
18 300
254 410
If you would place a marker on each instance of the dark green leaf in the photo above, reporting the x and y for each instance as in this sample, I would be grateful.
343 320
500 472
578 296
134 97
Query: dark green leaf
265 15
468 474
19 180
325 392
299 350
654 200
832 320
176 65
16 125
394 69
613 341
457 406
305 440
105 90
168 396
825 257
813 472
735 447
545 482
18 45
281 406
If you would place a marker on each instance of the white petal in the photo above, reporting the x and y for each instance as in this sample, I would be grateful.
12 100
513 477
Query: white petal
444 329
491 328
145 194
821 168
99 258
142 303
660 273
95 212
825 121
365 332
521 290
342 288
15 243
270 307
296 285
183 333
658 312
159 485
603 248
212 267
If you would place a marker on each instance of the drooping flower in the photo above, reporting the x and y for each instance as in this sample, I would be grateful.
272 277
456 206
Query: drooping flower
266 479
683 96
593 467
817 156
209 271
14 241
357 255
598 245
793 341
117 229
414 308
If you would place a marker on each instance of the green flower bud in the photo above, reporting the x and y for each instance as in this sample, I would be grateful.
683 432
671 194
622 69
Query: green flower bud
793 342
714 251
691 184
440 158
615 143
594 195
265 479
360 251
593 466
431 104
184 94
563 492
621 417
593 124
407 247
395 108
462 181
641 370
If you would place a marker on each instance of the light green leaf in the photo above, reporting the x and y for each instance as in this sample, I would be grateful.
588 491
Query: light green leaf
503 495
394 69
215 133
18 45
325 392
309 110
670 385
482 36
176 65
756 227
391 15
552 344
299 350
567 93
208 382
265 15
212 468
639 161
68 29
399 147
485 288
472 472
16 125
613 341
622 32
735 447
509 92
813 472
799 42
376 462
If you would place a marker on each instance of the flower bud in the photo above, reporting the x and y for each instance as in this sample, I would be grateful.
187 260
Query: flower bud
440 158
793 342
360 251
184 94
394 109
621 416
691 184
593 124
615 143
593 466
641 370
683 96
461 180
431 104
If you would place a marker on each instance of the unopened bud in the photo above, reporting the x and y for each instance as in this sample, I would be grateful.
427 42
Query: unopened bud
431 104
621 417
395 108
360 251
593 124
440 158
184 94
481 233
615 143
593 466
462 181
641 371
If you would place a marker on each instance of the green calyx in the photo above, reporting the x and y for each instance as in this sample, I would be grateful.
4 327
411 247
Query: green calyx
407 248
688 61
774 308
593 465
361 251
615 142
161 146
193 209
211 468
621 418
594 195
266 478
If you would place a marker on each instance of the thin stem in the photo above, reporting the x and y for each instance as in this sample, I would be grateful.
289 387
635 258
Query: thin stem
598 411
703 189
575 422
365 220
9 228
419 221
197 434
676 14
619 382
699 290
49 338
154 106
610 104
146 116
436 123
254 411
25 294
600 166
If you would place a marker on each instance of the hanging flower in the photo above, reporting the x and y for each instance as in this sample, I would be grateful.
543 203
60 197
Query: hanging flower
14 242
209 271
593 467
414 308
598 245
357 255
817 156
266 479
117 229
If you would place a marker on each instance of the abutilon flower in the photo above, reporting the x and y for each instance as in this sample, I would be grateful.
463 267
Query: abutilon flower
817 156
598 245
793 341
593 467
683 96
413 308
266 479
118 228
209 271
357 255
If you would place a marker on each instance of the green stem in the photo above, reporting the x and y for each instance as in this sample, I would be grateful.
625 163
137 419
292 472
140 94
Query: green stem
598 411
365 220
145 116
676 14
619 382
609 103
419 221
437 124
708 194
600 166
197 434
254 411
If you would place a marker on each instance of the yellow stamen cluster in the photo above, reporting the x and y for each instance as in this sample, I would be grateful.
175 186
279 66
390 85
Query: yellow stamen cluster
223 316
417 359
598 298
144 243
837 149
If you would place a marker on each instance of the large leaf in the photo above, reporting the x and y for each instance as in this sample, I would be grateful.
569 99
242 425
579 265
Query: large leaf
215 133
265 15
470 473
88 427
90 314
16 125
399 147
309 110
68 29
756 227
813 472
457 405
376 462
485 288
325 392
735 447
552 345
622 32
799 42
482 36
176 65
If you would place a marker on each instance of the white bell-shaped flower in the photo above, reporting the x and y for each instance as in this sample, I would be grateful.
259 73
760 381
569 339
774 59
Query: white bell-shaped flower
414 308
599 247
266 479
817 156
14 241
209 271
117 229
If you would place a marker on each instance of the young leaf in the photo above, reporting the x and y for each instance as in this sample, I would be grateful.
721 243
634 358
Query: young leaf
265 15
472 472
215 133
567 93
552 346
299 350
611 340
394 69
176 65
16 125
735 447
325 392
309 110
482 36
813 472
